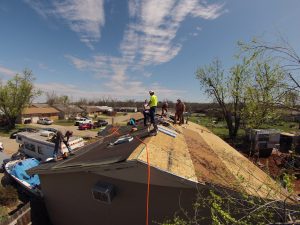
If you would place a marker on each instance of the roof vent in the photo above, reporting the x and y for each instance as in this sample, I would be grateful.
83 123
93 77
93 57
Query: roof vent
122 139
103 192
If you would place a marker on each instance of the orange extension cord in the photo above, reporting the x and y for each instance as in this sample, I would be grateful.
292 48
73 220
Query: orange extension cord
148 181
113 131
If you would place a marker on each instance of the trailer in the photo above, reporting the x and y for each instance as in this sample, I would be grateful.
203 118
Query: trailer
290 142
40 145
263 141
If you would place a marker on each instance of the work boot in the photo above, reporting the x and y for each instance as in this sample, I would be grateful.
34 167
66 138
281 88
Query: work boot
55 159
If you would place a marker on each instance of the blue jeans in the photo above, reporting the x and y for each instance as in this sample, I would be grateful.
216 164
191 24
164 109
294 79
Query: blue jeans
56 147
152 116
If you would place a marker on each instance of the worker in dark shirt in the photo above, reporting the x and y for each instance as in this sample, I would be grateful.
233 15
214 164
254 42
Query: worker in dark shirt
58 139
180 108
164 109
68 134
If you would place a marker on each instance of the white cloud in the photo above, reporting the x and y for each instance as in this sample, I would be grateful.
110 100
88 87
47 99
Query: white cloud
149 39
7 72
85 17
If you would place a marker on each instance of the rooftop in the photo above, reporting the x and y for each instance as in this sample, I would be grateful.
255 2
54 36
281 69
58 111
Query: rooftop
195 154
37 110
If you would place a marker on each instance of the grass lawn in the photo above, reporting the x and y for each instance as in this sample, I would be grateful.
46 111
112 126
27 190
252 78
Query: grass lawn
219 128
64 122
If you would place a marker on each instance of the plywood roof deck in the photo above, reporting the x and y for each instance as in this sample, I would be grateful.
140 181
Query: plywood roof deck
168 154
199 155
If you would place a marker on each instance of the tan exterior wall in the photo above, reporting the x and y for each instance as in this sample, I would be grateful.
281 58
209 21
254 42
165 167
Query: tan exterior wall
34 117
69 200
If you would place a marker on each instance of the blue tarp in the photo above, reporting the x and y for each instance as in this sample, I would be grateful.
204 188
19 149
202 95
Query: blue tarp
19 170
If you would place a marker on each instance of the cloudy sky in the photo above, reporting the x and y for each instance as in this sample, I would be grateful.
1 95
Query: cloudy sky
122 49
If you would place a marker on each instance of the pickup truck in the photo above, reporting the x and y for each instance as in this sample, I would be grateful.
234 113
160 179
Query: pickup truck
82 121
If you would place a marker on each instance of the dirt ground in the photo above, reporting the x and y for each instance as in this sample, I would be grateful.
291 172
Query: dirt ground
10 145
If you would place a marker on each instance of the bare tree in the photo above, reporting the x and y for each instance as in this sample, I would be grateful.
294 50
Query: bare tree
282 51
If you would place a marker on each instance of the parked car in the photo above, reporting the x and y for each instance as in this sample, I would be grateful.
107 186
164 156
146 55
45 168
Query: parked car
45 121
100 123
50 129
85 126
25 129
82 121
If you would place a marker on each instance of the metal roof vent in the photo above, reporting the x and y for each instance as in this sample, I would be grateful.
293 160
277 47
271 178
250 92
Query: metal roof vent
103 192
121 140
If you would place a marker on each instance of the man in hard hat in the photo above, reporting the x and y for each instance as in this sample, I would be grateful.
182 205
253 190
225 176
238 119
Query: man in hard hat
153 104
180 108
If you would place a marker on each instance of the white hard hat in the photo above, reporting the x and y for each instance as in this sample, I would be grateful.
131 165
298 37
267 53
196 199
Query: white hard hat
151 91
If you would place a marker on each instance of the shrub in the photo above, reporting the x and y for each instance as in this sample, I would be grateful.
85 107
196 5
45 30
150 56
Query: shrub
8 195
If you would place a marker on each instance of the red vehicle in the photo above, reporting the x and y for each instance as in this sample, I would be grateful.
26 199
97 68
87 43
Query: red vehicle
85 126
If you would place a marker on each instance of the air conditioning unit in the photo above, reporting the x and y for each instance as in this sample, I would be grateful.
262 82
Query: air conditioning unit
103 192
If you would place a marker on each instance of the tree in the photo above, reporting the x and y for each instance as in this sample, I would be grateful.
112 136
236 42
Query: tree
51 98
226 90
15 95
282 52
249 94
265 92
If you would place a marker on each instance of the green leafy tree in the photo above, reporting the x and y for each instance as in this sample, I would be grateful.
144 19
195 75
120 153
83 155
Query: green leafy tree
15 95
227 90
249 94
265 92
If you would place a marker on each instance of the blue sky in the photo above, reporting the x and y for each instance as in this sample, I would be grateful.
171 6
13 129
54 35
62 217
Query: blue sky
123 49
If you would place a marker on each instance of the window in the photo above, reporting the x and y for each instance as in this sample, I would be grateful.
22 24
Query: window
39 150
29 146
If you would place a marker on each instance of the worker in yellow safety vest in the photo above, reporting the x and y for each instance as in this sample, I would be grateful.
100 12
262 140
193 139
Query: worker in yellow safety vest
153 104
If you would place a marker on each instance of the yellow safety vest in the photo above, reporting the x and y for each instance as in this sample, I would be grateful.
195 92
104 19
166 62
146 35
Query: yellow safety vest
153 101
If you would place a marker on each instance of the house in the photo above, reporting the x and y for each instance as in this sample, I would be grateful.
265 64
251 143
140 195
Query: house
92 111
31 114
68 111
126 109
106 183
105 109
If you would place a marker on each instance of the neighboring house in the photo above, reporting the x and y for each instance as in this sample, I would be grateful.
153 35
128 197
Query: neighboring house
92 111
68 111
105 109
32 114
126 109
107 184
